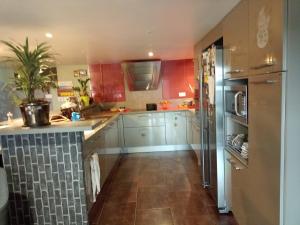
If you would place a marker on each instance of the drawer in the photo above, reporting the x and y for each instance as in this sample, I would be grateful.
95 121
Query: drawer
144 120
144 136
172 117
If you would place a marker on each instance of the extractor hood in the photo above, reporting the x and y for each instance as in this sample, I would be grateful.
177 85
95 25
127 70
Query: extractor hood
142 75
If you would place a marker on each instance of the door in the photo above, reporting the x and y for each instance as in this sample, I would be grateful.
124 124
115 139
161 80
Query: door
264 147
236 37
176 128
144 136
266 35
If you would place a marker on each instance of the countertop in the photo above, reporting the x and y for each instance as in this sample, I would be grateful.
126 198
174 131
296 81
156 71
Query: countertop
94 122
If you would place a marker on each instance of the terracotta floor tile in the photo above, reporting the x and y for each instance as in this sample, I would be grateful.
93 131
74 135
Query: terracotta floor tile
194 220
154 217
161 188
151 178
118 214
122 193
152 197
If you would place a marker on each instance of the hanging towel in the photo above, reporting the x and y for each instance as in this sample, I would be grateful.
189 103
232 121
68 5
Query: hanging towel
95 175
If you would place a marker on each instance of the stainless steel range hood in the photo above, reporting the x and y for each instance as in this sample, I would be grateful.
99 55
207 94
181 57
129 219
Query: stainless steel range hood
142 75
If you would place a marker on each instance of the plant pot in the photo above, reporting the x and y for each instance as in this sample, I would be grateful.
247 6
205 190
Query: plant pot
85 100
35 114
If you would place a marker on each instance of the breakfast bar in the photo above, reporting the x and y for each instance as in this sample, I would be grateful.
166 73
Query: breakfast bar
45 173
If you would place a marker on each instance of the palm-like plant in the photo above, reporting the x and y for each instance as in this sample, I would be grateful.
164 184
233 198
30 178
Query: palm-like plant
30 65
83 87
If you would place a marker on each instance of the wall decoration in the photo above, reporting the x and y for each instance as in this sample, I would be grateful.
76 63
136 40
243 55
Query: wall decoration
65 89
80 73
263 22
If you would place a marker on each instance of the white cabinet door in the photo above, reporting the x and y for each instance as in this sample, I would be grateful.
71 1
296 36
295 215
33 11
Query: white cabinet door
144 136
144 120
189 131
176 128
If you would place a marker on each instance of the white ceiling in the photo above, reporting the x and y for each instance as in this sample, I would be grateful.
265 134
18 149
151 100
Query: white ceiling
86 31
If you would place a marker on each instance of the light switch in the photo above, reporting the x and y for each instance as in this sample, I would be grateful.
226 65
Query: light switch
182 94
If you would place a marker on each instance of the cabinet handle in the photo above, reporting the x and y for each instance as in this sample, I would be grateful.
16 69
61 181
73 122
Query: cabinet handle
143 135
265 82
175 118
233 164
234 71
175 124
265 65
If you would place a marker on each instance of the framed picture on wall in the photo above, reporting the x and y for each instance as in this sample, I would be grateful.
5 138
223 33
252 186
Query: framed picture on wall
80 73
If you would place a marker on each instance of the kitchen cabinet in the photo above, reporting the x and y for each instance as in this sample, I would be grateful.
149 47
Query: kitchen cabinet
176 128
144 120
144 136
256 188
107 82
235 39
178 79
189 133
266 35
144 129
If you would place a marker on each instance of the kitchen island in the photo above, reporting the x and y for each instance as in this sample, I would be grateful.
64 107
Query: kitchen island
48 168
45 172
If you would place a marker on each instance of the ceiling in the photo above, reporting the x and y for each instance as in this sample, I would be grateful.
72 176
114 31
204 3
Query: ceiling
90 31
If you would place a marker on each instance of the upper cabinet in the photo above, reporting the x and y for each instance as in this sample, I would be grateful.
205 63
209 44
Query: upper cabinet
235 38
178 79
265 36
107 82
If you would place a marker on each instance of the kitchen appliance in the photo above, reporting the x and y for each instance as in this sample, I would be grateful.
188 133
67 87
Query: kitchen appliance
151 106
236 102
212 124
142 75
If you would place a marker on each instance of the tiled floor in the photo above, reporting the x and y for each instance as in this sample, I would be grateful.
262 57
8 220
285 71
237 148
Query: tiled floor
158 189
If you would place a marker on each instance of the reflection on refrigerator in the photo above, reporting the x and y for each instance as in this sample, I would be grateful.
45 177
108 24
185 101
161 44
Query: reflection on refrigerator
212 123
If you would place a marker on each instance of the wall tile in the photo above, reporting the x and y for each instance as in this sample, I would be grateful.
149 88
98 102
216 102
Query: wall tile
45 178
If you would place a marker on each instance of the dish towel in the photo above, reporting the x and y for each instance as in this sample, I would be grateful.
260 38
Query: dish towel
95 174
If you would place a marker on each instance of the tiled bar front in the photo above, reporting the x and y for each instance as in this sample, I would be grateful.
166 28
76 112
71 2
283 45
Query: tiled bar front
45 178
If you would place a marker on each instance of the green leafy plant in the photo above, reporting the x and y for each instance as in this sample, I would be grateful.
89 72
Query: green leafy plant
29 68
82 89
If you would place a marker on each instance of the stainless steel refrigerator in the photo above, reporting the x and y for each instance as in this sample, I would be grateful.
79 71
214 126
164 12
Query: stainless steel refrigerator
212 124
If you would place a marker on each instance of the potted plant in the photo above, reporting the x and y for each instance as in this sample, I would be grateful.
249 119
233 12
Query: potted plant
30 64
82 89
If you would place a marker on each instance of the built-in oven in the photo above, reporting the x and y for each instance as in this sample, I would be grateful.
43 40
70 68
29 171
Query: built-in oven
236 102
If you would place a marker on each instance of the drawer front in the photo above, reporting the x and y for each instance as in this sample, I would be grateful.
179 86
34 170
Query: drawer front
146 136
172 117
144 120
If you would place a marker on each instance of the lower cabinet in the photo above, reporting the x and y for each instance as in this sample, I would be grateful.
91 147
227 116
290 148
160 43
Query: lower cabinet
176 128
144 136
189 133
196 141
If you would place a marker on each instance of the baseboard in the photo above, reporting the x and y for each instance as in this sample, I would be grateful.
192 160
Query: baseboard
159 148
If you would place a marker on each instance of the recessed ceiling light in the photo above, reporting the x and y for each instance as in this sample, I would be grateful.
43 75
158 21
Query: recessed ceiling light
48 35
150 54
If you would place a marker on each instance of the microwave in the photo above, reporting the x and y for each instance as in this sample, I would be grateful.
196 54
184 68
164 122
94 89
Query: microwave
236 102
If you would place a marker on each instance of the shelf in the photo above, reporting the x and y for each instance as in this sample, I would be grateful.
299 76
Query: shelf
237 155
237 119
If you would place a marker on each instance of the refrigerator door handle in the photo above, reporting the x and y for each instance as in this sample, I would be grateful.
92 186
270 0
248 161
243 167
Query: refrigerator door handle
236 97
